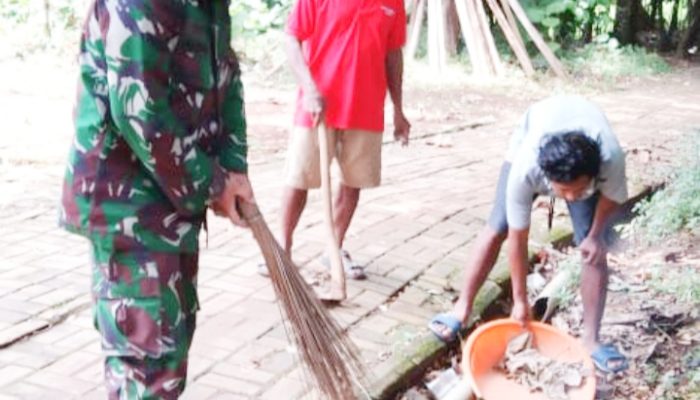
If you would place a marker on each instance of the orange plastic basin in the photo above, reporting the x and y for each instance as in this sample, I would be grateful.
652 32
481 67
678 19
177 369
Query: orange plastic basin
487 344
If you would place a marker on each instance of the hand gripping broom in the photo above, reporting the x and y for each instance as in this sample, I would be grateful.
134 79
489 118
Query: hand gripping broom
324 347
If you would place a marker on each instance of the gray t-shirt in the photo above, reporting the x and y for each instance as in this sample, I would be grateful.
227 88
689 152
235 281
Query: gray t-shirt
559 114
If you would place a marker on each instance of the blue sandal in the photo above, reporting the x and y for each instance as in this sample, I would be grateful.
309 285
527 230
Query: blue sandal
445 320
608 359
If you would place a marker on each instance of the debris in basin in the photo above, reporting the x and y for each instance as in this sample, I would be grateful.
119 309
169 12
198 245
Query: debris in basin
527 366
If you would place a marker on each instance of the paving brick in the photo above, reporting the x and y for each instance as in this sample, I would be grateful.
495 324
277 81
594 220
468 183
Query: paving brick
229 384
365 334
97 393
278 362
284 388
251 355
400 273
82 339
59 382
414 295
367 301
25 390
369 284
30 291
255 375
57 296
74 363
20 329
218 303
228 396
379 323
198 364
198 391
57 333
13 317
11 373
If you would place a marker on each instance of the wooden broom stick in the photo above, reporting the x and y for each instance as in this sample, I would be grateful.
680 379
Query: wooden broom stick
337 290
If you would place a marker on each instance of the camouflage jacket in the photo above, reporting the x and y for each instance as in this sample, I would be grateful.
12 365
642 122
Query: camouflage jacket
159 120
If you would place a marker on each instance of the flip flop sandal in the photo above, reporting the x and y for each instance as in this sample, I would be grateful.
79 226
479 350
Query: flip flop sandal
448 321
608 359
352 269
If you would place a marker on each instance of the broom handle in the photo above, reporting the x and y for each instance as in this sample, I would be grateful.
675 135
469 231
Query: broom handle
251 214
337 273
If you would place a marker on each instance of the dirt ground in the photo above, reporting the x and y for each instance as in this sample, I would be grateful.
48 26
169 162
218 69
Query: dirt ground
650 316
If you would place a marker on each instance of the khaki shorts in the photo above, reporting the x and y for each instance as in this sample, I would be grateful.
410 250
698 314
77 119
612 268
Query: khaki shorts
358 153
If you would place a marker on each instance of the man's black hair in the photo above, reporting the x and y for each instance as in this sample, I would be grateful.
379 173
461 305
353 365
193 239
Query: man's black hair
564 157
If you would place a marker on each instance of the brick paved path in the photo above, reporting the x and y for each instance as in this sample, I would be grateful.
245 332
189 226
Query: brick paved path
435 196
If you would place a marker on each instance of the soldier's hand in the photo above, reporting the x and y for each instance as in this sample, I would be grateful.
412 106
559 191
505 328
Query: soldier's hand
237 188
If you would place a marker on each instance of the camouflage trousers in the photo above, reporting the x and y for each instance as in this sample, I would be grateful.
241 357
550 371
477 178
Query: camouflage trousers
144 307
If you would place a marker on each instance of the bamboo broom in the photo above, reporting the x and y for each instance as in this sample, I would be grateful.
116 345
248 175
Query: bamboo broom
327 352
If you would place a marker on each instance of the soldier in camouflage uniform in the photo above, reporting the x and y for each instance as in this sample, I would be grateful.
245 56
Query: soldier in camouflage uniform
160 136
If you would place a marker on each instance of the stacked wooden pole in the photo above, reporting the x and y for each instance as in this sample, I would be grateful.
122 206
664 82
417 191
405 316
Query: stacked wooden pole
476 32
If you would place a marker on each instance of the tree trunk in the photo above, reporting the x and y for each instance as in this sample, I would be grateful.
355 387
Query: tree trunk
47 19
666 36
588 30
692 35
656 15
627 20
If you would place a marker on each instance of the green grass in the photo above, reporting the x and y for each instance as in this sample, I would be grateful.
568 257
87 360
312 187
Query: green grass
571 263
682 282
608 60
675 208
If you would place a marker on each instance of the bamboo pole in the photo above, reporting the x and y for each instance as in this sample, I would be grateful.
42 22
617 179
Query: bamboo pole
515 44
479 40
468 30
550 297
415 27
556 65
511 20
493 57
441 32
436 35
451 28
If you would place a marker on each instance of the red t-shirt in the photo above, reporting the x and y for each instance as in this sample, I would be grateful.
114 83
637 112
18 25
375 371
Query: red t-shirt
345 44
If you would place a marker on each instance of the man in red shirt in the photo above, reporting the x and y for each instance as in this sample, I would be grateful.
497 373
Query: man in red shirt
344 54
